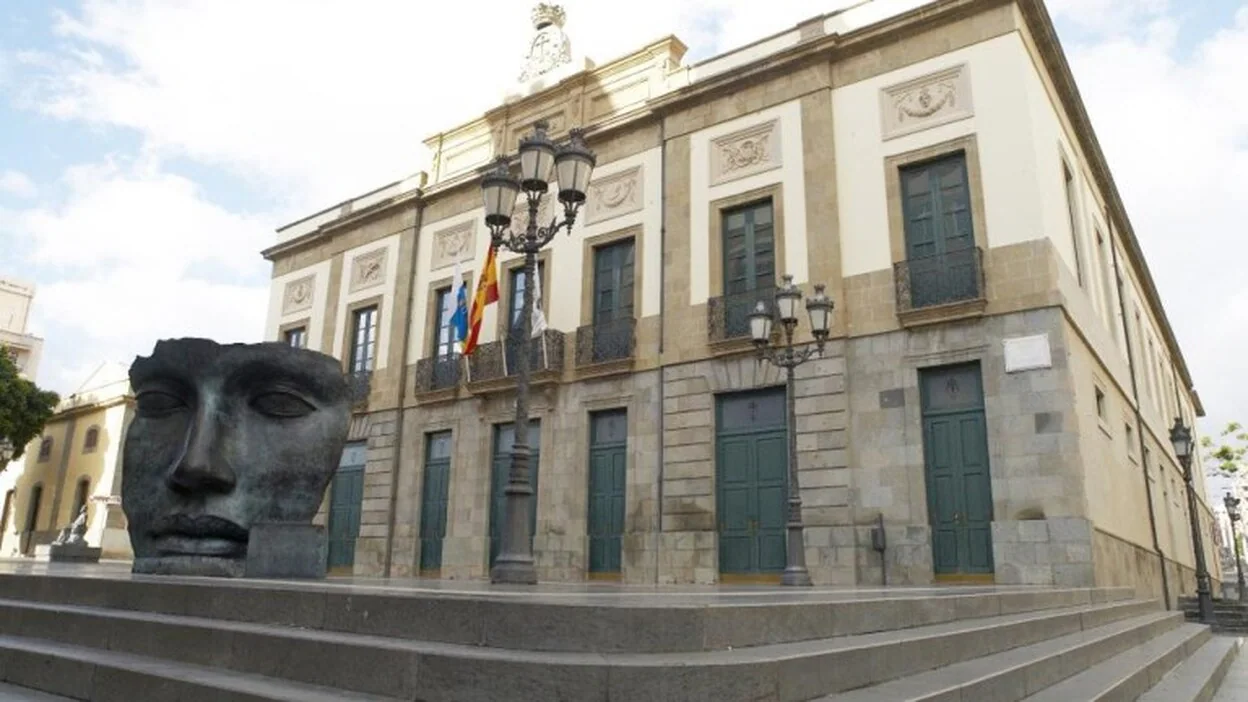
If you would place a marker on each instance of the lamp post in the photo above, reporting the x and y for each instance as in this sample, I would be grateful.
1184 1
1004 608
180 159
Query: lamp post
789 357
572 164
1181 440
1232 511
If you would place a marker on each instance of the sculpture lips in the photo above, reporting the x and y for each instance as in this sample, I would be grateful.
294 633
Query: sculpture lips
202 535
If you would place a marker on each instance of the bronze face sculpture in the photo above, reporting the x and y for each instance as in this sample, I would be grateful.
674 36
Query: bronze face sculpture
226 437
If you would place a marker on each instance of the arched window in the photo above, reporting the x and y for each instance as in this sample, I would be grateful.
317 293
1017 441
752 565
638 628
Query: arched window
91 440
45 448
80 497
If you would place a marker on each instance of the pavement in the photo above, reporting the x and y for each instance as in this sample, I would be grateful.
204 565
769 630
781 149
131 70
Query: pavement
10 693
1235 685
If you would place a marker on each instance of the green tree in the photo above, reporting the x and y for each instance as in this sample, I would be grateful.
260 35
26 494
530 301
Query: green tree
24 407
1226 456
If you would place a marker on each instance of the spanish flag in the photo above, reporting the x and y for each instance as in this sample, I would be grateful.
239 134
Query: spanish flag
487 292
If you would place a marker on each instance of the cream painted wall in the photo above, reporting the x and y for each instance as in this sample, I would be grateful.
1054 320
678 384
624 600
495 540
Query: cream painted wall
315 315
386 290
421 333
790 175
566 258
1007 158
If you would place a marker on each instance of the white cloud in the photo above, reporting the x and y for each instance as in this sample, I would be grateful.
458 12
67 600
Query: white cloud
17 183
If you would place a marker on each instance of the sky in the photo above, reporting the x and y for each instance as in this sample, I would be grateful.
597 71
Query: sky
150 148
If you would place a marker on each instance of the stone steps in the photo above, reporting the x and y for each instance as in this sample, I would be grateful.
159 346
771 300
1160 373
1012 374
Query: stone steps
84 673
203 653
606 623
1197 679
1012 675
1130 674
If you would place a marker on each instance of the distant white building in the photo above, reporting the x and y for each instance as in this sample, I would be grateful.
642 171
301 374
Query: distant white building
16 298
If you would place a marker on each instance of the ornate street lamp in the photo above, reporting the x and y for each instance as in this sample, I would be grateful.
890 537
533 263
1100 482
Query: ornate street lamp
789 357
572 164
1181 440
1232 511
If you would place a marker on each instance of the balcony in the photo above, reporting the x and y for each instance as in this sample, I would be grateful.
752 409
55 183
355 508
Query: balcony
359 384
728 316
940 288
606 343
438 374
492 366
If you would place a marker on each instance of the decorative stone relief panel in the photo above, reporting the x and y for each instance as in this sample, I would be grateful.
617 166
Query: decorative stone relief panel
936 98
368 270
297 296
453 244
745 152
520 217
614 195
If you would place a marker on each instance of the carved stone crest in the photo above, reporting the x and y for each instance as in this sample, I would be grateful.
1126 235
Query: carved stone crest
936 98
368 270
614 195
297 296
453 244
745 152
550 47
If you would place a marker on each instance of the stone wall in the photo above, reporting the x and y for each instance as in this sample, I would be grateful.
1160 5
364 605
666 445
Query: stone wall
688 546
1033 449
370 546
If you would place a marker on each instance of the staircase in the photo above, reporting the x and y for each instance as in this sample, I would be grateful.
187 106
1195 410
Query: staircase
189 639
1229 616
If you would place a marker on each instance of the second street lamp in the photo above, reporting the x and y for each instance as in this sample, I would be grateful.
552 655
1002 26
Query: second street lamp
789 357
572 163
1181 440
1232 512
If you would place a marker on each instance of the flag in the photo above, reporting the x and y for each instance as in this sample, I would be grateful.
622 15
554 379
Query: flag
487 292
539 319
459 299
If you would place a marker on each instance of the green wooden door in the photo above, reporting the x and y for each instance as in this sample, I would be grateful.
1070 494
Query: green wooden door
608 459
433 500
751 483
749 249
940 238
959 485
346 495
613 300
504 437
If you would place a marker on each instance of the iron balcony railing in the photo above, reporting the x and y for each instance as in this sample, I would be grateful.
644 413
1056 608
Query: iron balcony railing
606 341
438 373
359 384
728 316
497 359
942 279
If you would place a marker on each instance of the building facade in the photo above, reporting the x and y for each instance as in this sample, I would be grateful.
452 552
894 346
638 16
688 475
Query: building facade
999 382
75 463
16 299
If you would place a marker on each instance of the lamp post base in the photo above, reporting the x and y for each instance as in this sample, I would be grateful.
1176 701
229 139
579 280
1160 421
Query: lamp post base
513 571
795 577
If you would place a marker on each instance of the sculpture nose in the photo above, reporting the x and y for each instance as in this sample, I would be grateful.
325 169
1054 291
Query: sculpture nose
202 466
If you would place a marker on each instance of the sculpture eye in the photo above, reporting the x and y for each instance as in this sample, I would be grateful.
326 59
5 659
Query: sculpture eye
156 403
281 404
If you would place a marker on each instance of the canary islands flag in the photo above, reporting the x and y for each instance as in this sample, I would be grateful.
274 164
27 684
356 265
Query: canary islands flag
459 315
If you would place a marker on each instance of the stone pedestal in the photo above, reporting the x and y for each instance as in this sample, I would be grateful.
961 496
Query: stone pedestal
67 553
286 550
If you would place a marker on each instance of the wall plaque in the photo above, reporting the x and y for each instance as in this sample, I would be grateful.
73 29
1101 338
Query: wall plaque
614 195
926 101
297 295
368 269
1024 353
745 152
